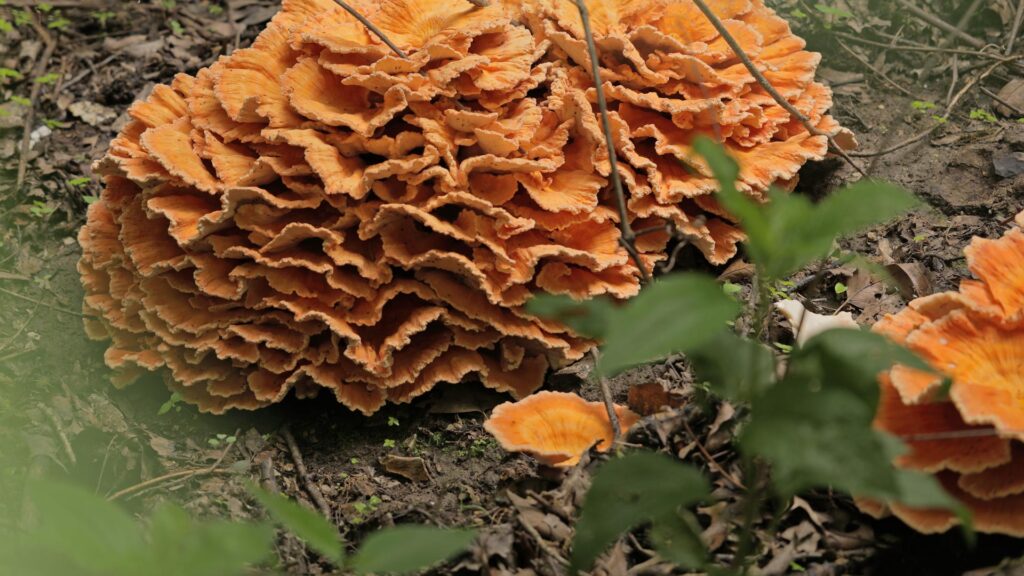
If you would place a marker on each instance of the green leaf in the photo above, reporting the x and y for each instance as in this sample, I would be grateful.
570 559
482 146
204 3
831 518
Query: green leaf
860 205
852 359
180 546
82 531
677 313
589 318
789 231
815 425
629 491
736 368
677 539
10 73
831 11
175 397
410 548
311 527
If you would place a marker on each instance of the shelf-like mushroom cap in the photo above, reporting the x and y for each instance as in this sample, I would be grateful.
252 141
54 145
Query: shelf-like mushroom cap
555 427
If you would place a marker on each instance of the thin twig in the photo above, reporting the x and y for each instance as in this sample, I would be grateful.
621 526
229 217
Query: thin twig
24 325
41 303
920 48
996 97
961 25
552 554
90 70
877 72
627 237
59 429
756 73
183 474
940 23
949 111
609 403
372 28
1016 27
37 87
736 483
300 468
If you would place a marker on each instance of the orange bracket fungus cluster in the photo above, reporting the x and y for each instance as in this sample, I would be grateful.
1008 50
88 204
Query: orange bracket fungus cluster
320 211
556 428
971 436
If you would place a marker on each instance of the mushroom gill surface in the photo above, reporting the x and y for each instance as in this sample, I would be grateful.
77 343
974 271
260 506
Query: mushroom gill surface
971 438
317 212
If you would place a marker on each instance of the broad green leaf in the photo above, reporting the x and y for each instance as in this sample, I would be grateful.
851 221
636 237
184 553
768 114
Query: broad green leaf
818 437
181 546
815 425
723 167
410 548
852 359
789 231
311 527
861 205
222 547
675 314
86 532
589 318
736 368
677 539
629 491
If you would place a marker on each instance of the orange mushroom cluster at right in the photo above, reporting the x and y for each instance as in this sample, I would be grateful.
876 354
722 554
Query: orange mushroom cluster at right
971 435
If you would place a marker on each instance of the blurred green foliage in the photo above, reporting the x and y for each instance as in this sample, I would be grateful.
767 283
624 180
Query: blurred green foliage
810 414
67 530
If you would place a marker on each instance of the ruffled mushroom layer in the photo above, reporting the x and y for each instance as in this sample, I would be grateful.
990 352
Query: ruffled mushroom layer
318 212
973 437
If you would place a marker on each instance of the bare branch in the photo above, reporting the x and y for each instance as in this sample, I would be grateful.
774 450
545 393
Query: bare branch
372 28
628 238
738 50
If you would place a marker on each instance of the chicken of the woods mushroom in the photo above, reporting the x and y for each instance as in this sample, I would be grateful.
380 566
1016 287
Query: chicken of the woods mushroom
317 211
971 436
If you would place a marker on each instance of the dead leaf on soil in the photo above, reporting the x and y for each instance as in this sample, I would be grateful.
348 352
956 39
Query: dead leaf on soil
408 467
911 279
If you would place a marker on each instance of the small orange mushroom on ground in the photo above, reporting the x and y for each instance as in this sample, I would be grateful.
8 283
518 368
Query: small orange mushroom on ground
556 428
972 438
317 213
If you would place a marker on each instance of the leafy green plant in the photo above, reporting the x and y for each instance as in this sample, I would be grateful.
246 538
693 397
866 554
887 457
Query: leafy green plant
41 209
50 78
102 17
58 23
74 531
77 532
983 115
22 17
10 73
176 398
398 550
809 421
833 11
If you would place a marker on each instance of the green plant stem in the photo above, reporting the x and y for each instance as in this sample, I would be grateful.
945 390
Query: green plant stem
628 238
762 307
752 502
